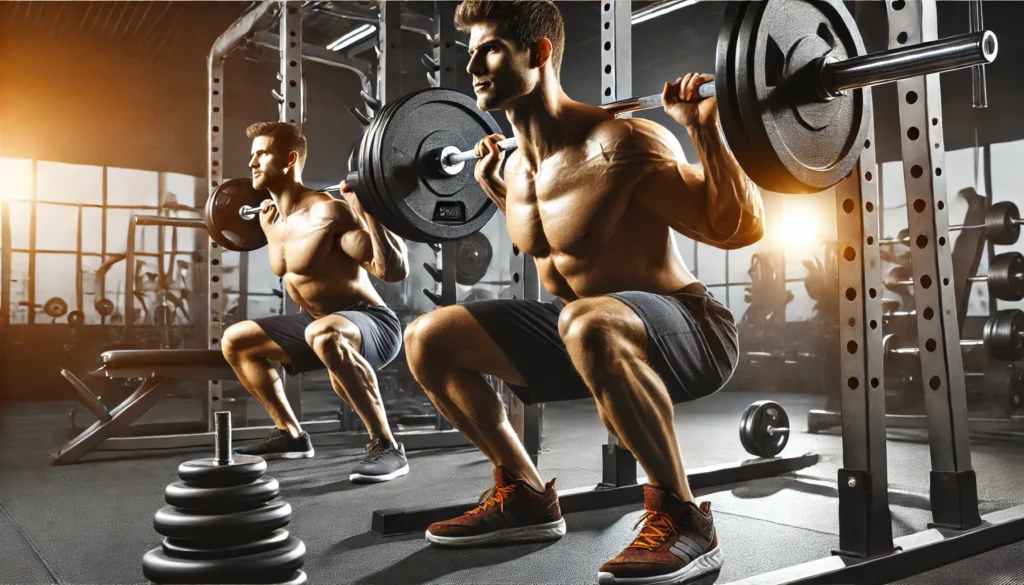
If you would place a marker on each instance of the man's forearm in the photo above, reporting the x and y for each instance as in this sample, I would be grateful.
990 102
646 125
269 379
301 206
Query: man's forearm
390 257
734 206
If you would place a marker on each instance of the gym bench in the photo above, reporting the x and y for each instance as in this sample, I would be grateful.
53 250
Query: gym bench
162 370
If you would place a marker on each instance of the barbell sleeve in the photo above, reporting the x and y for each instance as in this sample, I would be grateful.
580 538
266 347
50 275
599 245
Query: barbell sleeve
949 54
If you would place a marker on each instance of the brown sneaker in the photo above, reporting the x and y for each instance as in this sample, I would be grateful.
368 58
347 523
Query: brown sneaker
513 512
677 545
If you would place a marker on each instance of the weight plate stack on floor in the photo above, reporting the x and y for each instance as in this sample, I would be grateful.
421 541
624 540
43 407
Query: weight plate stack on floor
224 525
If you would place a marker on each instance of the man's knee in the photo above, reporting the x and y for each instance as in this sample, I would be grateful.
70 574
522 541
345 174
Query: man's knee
428 334
329 339
239 339
592 327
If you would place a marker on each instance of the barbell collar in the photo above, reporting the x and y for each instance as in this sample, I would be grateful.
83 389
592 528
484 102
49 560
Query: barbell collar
949 54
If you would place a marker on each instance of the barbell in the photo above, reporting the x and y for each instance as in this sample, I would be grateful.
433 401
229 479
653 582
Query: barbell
1005 277
1002 338
787 79
1002 226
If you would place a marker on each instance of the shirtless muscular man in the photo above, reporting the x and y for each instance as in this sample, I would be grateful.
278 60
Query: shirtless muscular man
593 199
322 248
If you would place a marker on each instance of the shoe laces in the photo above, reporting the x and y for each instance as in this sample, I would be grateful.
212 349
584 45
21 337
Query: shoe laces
657 527
376 451
274 435
497 496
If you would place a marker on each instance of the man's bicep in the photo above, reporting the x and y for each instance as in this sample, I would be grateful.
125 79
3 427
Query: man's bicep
357 244
675 194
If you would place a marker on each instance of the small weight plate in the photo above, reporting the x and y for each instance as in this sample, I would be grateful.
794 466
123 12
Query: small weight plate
222 528
105 307
75 317
439 208
754 431
1006 276
277 565
472 258
226 498
56 307
208 473
1001 227
223 222
787 138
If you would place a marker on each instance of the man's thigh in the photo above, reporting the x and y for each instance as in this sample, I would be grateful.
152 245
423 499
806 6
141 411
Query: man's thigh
289 333
692 342
375 331
526 332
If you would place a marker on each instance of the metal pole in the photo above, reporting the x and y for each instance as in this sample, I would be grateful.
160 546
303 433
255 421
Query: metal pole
979 85
913 61
954 494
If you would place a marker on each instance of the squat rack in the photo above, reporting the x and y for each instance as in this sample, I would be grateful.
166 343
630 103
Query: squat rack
207 365
867 550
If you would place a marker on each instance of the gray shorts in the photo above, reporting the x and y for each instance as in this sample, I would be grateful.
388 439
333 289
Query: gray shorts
692 343
379 327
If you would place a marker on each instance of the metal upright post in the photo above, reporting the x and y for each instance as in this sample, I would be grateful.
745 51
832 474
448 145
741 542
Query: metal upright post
291 110
228 41
954 492
618 463
865 524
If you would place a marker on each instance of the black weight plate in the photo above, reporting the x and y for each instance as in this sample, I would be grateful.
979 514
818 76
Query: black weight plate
726 82
183 549
223 222
1000 227
798 143
1002 335
378 204
221 499
208 473
389 210
275 566
763 414
746 436
472 257
227 528
440 208
1006 276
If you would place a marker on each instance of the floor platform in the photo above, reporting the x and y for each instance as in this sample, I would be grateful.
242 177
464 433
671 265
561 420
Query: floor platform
91 522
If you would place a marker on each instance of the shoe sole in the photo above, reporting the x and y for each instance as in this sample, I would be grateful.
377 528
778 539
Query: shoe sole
289 455
536 533
360 478
708 562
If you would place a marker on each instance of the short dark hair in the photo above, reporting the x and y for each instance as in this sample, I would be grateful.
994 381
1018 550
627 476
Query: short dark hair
527 20
287 137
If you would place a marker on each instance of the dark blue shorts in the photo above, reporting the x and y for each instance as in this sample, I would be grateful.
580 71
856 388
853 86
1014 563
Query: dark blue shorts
692 343
379 328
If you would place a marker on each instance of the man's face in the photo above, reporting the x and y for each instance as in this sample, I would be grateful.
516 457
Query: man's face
500 68
267 164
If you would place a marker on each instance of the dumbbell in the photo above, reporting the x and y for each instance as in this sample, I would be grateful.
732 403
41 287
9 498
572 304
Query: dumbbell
1002 225
1005 277
1002 338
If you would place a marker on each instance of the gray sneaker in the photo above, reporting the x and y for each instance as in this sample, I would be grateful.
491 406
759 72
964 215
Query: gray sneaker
384 461
279 445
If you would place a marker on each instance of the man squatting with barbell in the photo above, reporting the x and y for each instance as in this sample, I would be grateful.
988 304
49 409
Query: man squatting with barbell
593 200
322 248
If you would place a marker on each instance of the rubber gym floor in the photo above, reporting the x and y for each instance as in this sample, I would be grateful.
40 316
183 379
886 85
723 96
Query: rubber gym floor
91 522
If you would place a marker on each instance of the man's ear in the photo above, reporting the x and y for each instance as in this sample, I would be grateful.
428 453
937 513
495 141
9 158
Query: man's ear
542 53
293 159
